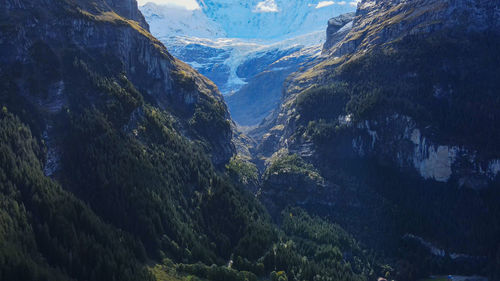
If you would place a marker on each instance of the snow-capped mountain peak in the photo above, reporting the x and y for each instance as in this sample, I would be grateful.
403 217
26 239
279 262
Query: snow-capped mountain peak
273 19
173 20
241 44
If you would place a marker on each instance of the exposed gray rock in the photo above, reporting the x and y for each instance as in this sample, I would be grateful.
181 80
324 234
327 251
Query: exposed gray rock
338 27
381 21
398 138
128 9
53 157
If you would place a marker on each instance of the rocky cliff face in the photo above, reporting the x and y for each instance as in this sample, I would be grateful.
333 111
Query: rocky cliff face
128 9
376 24
338 28
114 30
398 139
380 21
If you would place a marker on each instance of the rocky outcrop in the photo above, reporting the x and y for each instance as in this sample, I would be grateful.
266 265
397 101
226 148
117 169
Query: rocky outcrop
381 21
398 139
128 9
338 27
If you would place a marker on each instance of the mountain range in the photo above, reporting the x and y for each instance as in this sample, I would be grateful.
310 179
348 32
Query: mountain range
272 19
237 46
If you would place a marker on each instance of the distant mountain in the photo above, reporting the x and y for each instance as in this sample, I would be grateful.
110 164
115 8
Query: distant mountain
268 69
232 43
273 19
171 21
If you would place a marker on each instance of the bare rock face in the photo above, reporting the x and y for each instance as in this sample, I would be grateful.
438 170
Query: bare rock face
128 9
381 21
338 28
398 139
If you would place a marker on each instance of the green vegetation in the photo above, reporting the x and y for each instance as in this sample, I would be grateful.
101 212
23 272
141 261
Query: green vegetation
313 249
243 171
308 248
216 273
326 102
292 164
124 158
136 194
165 196
448 83
45 232
209 117
447 80
278 276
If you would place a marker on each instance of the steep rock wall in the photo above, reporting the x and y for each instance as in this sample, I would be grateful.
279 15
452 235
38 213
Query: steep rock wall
115 31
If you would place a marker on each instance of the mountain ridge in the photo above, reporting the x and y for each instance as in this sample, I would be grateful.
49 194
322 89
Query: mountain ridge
284 20
388 101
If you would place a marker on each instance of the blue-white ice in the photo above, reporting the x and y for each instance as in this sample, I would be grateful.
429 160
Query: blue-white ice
218 36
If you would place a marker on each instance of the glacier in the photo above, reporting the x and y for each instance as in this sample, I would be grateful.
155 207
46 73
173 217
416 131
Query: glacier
231 42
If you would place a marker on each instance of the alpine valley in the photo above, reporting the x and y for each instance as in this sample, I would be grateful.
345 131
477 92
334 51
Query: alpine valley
250 140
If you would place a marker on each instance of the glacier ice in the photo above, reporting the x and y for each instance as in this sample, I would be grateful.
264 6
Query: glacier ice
222 35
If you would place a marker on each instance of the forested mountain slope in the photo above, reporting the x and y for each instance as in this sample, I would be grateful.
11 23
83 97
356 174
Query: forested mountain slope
110 114
395 135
